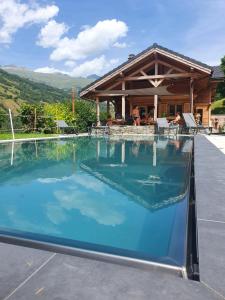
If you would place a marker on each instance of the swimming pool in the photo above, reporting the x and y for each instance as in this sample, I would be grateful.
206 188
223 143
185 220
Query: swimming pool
125 197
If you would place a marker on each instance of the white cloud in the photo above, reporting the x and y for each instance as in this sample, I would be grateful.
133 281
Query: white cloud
49 70
70 63
102 211
97 66
90 41
120 45
51 34
14 15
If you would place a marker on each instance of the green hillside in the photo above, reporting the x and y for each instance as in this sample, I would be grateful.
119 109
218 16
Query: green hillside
15 90
57 80
218 107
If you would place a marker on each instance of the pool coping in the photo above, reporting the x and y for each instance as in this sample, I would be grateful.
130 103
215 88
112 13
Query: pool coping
43 138
210 196
84 253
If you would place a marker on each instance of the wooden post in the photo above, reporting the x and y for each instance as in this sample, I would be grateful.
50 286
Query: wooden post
98 111
123 101
192 94
155 107
156 96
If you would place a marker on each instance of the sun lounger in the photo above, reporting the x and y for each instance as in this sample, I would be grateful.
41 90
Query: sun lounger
192 126
64 127
163 124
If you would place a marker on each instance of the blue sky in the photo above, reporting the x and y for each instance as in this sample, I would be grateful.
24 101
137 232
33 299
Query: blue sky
90 37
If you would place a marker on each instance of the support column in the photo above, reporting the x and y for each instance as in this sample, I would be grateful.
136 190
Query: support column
123 102
155 107
123 107
192 95
98 111
156 96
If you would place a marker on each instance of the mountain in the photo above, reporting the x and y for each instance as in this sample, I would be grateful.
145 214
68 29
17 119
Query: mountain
15 90
93 77
57 80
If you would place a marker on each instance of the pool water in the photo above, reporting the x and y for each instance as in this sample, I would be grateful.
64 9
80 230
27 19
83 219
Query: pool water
125 197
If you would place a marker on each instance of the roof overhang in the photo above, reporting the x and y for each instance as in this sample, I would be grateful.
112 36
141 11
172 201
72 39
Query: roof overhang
139 58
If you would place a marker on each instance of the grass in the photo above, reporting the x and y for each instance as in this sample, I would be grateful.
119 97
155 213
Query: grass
218 107
8 136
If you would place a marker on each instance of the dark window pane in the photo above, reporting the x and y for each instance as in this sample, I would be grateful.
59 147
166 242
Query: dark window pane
179 108
172 110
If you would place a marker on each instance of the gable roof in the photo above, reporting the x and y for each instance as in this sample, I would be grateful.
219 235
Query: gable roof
162 50
218 73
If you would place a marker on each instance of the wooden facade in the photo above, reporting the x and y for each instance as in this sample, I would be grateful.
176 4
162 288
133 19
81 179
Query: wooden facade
161 82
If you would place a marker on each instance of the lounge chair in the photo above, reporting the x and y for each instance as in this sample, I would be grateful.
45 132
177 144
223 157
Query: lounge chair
163 124
64 127
192 126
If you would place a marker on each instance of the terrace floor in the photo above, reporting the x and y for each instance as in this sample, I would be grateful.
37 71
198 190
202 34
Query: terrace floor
34 274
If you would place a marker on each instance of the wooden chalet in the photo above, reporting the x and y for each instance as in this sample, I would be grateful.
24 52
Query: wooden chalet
161 82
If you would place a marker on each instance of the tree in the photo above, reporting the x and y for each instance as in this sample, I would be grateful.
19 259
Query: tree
4 119
33 118
220 92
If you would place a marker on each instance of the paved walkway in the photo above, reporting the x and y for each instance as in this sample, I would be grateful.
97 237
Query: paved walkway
210 195
218 141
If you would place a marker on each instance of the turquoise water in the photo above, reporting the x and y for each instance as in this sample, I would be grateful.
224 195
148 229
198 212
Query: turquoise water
127 197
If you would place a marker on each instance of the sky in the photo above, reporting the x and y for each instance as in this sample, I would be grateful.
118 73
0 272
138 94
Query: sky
85 37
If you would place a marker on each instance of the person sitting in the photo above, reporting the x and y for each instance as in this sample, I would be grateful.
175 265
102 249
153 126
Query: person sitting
177 119
136 116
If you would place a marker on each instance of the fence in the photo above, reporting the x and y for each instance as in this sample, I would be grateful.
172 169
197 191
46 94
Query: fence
31 123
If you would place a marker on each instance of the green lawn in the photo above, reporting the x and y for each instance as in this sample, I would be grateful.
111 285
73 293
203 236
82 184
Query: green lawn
218 107
8 136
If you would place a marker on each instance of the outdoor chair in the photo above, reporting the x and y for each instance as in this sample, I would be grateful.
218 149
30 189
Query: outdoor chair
163 124
191 125
65 128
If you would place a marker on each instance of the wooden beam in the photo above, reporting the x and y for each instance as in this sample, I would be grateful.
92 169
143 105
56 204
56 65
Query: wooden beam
155 107
161 80
151 81
123 101
161 62
177 75
192 94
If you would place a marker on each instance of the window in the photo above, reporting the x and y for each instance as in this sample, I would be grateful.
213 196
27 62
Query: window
172 109
175 108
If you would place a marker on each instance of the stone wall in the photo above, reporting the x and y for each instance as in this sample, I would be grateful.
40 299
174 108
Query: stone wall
124 130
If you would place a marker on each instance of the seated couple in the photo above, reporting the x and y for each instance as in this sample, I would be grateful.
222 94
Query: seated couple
177 120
